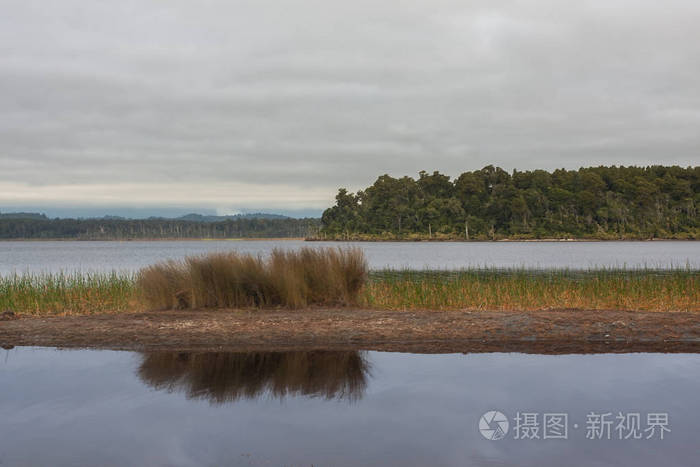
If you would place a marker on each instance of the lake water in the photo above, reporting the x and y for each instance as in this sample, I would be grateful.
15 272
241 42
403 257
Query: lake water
128 256
108 408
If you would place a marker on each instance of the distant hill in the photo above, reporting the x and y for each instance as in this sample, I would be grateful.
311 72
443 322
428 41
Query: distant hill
22 215
28 225
207 218
192 217
132 229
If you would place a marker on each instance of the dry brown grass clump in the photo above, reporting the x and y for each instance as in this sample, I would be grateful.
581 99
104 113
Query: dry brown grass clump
295 279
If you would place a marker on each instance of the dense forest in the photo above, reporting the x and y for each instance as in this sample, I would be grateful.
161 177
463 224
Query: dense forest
596 202
154 228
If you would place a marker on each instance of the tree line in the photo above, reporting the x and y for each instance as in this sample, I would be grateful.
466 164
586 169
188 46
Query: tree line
595 202
155 228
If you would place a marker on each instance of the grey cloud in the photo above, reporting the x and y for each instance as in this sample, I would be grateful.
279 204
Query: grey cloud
325 93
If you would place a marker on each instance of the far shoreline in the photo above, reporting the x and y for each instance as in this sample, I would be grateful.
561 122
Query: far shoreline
353 240
126 240
507 240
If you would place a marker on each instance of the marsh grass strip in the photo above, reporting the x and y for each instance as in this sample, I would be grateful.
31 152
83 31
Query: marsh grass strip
297 282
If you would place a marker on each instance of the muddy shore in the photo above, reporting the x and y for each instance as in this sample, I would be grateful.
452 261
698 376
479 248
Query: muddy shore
560 331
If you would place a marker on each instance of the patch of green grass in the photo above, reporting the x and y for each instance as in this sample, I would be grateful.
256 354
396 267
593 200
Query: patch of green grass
522 289
61 293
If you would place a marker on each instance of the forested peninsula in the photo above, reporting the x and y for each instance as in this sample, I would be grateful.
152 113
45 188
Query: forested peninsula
605 203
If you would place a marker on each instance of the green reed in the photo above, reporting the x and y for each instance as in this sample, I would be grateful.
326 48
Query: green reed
522 289
66 293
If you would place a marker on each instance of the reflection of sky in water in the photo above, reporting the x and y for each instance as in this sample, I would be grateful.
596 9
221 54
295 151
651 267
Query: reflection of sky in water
92 408
54 256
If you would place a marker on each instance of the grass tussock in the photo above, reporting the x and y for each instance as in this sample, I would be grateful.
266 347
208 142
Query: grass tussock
484 289
294 279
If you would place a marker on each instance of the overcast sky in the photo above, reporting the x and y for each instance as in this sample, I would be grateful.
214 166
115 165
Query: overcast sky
248 105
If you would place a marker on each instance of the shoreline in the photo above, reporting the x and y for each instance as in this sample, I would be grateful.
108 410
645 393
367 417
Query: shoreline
127 240
354 240
555 331
505 240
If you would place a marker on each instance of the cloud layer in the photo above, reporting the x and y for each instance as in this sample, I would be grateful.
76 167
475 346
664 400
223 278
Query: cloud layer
245 104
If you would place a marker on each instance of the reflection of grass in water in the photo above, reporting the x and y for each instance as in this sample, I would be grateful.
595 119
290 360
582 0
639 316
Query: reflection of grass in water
223 377
522 289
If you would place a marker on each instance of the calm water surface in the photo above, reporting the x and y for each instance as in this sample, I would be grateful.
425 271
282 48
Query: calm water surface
337 408
101 256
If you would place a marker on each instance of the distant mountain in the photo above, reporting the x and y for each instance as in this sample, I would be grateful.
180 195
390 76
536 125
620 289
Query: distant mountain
22 215
244 226
206 218
192 217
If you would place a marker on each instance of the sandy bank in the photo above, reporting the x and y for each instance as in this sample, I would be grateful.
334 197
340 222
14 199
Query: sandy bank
411 331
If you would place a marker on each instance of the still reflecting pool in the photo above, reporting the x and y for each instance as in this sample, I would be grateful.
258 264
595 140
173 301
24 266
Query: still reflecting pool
349 408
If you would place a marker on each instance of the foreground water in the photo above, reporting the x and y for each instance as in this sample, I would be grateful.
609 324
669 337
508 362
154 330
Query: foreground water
127 256
346 408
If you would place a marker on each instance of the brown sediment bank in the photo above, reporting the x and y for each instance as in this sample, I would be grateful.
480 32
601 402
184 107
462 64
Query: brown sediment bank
557 331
